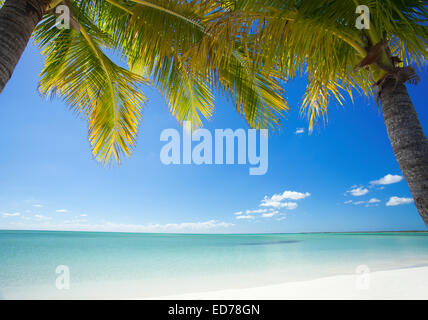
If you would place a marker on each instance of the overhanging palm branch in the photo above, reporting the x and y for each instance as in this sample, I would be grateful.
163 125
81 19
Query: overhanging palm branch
245 49
153 37
257 95
319 39
107 95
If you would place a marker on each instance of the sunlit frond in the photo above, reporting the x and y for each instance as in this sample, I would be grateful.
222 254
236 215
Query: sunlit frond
318 39
258 95
244 49
107 95
161 39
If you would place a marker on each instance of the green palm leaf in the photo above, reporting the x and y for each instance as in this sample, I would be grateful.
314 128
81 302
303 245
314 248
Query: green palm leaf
104 93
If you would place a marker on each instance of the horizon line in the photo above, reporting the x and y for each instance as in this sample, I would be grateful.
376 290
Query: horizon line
212 234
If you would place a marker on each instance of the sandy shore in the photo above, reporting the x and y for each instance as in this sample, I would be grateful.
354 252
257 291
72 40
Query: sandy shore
410 283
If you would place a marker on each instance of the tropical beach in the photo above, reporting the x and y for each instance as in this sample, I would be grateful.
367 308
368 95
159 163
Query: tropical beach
399 284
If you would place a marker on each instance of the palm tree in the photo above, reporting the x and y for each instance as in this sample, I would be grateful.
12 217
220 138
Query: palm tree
320 39
152 39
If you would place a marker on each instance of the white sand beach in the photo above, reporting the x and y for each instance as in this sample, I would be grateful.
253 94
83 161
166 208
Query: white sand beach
409 283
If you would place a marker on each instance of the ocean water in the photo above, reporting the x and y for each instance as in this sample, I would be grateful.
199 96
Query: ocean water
129 265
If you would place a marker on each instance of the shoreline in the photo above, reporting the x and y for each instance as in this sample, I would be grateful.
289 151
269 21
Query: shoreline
404 283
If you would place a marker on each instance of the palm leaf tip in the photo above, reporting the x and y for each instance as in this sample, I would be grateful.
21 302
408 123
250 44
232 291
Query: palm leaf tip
107 95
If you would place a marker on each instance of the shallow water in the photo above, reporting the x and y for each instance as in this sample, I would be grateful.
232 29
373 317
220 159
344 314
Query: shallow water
125 265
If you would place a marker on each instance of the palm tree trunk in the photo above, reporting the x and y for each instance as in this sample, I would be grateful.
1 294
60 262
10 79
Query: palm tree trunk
408 141
18 18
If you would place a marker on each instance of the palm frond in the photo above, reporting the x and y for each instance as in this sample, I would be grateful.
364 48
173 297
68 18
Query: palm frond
109 96
318 39
245 49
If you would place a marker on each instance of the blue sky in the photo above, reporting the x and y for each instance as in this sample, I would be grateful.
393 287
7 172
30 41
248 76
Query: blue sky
48 179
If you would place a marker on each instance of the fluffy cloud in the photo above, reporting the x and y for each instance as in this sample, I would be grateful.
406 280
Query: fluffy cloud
271 205
6 215
299 131
358 202
358 191
291 195
275 200
185 227
256 211
388 179
372 201
396 201
278 205
245 217
270 214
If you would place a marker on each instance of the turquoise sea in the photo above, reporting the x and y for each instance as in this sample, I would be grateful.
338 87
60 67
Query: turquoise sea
130 265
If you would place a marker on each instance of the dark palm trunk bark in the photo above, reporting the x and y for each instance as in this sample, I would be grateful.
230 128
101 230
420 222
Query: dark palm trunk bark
408 141
18 18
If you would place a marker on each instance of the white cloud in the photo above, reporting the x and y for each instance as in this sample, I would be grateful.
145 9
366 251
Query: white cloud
245 217
270 214
368 203
373 200
292 195
396 201
388 179
184 227
15 214
191 226
272 204
289 205
278 204
276 200
280 218
257 211
83 215
358 191
62 211
299 130
37 205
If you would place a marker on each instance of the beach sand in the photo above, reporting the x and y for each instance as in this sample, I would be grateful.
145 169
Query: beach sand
409 283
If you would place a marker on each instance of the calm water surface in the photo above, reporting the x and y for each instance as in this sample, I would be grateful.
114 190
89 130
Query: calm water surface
124 265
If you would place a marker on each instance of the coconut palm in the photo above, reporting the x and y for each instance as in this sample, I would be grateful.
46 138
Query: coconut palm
151 39
320 40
